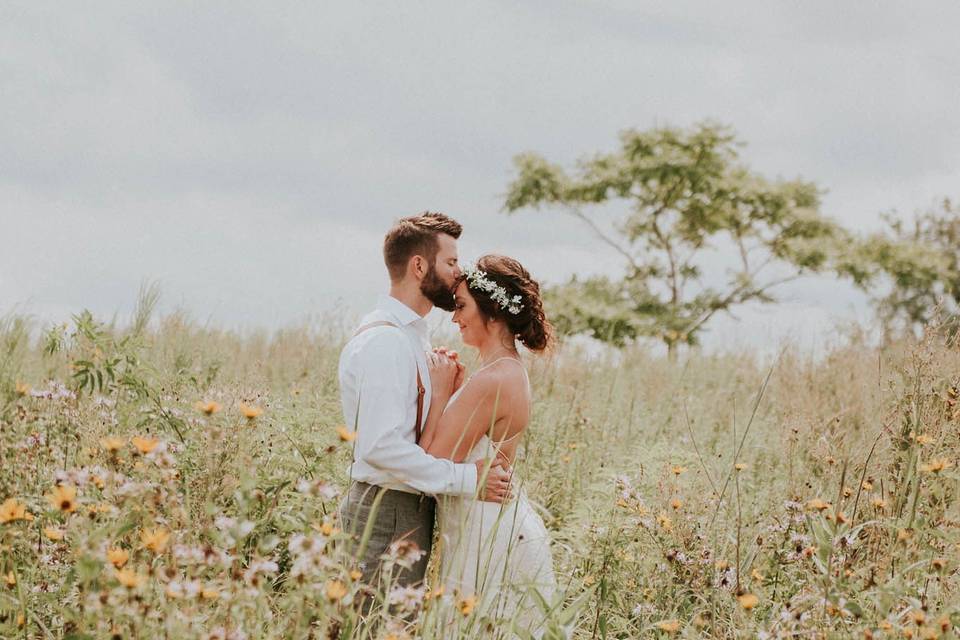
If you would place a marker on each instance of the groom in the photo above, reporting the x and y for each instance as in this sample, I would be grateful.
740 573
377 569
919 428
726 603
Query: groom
385 391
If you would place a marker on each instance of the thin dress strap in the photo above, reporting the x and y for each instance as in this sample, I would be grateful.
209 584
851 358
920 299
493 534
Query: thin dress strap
499 443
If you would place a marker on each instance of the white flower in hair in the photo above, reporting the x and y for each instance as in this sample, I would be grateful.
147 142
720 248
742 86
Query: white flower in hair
477 279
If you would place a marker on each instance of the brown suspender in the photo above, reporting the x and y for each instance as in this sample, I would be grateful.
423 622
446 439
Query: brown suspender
420 389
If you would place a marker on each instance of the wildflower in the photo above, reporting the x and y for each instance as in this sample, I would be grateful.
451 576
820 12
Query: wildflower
670 626
356 575
12 510
210 407
841 517
565 459
345 434
748 601
929 633
664 521
923 439
335 590
740 466
327 529
10 579
756 575
64 498
918 617
867 485
53 533
403 552
817 505
22 388
155 539
406 598
936 466
677 470
831 460
112 444
129 578
209 593
144 444
676 503
118 557
466 605
938 563
847 492
879 504
250 412
904 534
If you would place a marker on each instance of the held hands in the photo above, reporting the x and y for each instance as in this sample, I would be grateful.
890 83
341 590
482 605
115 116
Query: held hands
446 373
496 484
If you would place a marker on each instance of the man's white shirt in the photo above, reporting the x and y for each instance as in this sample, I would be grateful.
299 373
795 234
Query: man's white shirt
378 392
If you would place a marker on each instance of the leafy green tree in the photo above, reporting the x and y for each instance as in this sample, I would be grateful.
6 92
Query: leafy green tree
683 193
912 269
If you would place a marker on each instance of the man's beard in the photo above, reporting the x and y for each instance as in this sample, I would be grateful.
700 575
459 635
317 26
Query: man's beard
437 291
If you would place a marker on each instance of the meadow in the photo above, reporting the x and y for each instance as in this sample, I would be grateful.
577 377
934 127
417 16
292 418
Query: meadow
166 479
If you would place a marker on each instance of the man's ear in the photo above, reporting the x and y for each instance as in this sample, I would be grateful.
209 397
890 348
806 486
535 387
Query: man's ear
418 265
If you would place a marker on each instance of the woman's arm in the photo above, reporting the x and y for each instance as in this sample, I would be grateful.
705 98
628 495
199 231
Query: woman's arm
474 413
444 373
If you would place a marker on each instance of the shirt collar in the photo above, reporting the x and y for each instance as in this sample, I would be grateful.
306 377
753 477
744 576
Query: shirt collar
404 314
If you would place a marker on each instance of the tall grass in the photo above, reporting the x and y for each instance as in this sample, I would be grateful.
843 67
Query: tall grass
719 497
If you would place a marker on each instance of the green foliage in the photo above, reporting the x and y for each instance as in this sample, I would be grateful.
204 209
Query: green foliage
686 193
913 271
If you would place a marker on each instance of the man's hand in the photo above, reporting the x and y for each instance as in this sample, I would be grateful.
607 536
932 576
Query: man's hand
496 487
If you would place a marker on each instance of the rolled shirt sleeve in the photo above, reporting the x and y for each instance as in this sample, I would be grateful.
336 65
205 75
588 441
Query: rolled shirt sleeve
385 384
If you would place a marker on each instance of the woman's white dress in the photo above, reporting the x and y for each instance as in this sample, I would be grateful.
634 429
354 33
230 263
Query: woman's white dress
496 552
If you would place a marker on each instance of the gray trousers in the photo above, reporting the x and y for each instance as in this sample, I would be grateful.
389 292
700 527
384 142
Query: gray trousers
399 516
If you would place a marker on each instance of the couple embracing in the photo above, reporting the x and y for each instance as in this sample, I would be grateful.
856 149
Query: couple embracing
434 444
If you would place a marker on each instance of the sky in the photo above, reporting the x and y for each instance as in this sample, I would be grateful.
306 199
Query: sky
249 157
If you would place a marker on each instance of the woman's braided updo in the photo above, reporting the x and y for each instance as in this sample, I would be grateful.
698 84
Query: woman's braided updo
530 326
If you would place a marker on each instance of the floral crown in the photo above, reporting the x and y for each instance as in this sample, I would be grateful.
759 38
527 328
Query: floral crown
477 279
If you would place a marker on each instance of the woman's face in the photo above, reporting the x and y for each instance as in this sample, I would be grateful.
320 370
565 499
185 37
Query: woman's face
467 316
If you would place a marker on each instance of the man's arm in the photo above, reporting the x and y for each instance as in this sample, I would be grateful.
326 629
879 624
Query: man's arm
386 380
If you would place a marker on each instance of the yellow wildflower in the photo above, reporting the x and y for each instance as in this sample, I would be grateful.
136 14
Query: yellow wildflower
64 498
923 439
345 434
22 388
129 578
918 617
817 505
118 557
664 521
53 533
466 605
335 590
879 504
670 626
250 412
112 444
144 444
12 510
748 601
676 503
677 470
155 539
209 407
10 579
740 466
867 485
936 466
209 593
756 575
356 575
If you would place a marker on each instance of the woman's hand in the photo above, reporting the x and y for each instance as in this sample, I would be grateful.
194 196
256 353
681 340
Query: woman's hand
444 372
461 369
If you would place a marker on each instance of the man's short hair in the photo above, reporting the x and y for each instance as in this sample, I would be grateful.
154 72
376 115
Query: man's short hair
416 236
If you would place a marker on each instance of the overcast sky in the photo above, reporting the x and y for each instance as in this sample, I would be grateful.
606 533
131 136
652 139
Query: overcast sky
249 157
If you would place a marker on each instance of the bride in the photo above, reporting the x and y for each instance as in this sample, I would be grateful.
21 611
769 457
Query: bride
492 554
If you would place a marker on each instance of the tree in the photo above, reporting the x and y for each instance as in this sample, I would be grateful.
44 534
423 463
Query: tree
913 270
686 193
